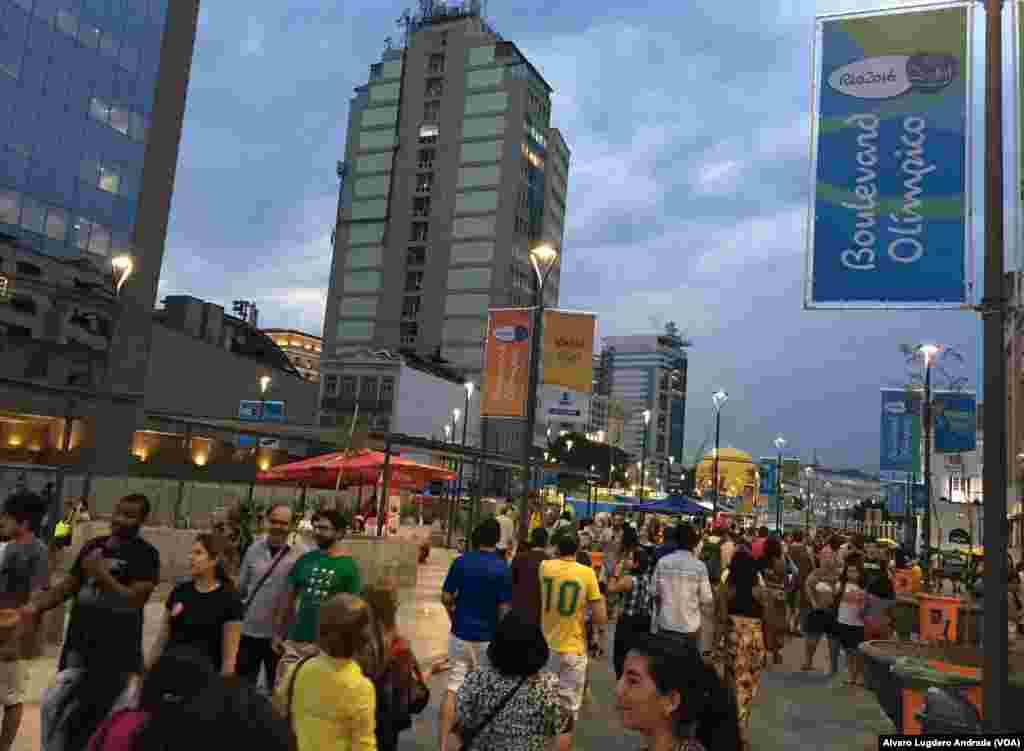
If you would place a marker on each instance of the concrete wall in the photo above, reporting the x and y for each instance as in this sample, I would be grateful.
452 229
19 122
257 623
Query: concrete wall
375 557
191 377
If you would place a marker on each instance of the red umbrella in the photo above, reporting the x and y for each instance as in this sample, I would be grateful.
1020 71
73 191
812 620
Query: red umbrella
364 465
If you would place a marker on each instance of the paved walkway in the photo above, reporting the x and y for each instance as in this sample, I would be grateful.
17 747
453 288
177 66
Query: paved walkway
793 710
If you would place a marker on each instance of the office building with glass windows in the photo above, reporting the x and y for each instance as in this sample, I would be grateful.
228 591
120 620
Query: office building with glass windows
452 173
92 97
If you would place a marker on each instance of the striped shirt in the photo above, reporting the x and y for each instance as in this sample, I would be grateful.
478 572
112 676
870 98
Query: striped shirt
682 587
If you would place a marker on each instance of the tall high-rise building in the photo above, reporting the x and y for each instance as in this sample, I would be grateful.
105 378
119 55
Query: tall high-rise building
649 372
452 173
92 97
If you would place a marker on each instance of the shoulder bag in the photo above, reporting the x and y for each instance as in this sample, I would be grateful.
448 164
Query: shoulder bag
266 575
470 735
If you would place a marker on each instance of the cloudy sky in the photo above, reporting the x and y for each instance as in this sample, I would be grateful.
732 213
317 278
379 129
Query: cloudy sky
689 129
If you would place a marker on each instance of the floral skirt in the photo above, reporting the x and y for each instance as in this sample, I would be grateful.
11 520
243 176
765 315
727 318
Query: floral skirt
741 661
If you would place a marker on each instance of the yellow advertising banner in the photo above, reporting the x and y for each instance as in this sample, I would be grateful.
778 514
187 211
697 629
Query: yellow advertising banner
568 350
506 364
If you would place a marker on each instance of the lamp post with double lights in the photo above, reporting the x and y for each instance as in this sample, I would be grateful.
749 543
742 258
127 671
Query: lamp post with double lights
718 398
643 454
809 474
544 258
780 444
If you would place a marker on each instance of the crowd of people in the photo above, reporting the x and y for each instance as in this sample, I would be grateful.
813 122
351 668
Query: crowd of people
296 651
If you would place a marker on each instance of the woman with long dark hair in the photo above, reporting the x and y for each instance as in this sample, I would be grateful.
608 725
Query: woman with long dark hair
851 602
206 611
742 651
675 700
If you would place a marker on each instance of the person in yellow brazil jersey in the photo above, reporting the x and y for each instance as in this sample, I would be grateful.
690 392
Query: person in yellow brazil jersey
567 589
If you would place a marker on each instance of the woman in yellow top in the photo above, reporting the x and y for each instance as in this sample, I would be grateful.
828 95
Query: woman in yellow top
334 704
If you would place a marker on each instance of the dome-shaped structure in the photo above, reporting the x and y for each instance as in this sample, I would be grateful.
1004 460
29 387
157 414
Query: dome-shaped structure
737 473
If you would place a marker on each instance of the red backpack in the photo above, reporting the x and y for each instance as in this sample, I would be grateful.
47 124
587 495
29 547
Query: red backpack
117 733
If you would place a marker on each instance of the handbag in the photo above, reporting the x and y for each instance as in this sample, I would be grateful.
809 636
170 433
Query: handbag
469 736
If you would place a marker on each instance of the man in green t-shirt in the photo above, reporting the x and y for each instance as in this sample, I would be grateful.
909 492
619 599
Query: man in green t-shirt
315 578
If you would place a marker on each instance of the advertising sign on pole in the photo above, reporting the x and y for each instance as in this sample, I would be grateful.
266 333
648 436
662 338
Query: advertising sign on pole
889 222
791 470
568 359
955 421
896 498
900 431
767 468
564 405
506 363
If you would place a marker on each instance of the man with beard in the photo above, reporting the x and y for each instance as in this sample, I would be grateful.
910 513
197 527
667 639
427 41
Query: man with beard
314 579
111 582
262 582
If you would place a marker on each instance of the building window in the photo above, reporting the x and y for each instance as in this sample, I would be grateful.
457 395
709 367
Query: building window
420 230
347 387
413 281
368 388
435 88
426 158
331 385
416 256
410 331
358 307
431 112
661 422
424 182
435 64
411 307
387 388
421 206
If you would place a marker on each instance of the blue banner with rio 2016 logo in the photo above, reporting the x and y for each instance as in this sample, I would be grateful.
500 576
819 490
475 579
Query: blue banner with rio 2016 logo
890 219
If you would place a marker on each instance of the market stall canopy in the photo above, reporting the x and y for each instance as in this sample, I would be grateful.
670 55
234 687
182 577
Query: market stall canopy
674 504
359 467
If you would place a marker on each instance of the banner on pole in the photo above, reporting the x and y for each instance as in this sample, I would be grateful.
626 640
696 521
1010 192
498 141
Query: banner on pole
791 470
769 477
955 421
506 363
564 405
889 222
568 359
900 431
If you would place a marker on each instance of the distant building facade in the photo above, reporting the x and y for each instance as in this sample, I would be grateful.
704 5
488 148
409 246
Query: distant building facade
303 350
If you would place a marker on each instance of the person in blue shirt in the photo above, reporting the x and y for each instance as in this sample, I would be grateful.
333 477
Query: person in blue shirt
477 593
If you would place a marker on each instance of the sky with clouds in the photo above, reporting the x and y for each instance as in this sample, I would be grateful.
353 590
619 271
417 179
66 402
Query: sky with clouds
689 127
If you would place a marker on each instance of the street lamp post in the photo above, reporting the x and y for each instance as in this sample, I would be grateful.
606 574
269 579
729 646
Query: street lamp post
780 443
719 398
928 351
643 455
543 258
462 459
809 474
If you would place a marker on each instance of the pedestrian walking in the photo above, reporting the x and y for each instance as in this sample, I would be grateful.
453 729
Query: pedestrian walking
851 602
569 590
401 686
820 590
633 582
741 649
682 590
111 581
674 700
775 619
803 557
477 592
315 578
263 582
507 541
332 704
509 704
24 572
526 575
205 612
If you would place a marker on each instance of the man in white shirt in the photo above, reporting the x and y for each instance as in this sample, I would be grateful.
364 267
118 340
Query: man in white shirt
507 541
681 590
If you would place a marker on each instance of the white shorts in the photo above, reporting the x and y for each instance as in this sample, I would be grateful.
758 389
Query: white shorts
464 656
572 678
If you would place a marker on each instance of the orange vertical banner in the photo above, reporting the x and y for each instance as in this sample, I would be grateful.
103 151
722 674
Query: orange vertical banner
568 350
506 363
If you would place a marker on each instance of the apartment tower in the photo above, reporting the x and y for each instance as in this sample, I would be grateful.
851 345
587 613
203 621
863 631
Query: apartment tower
452 173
